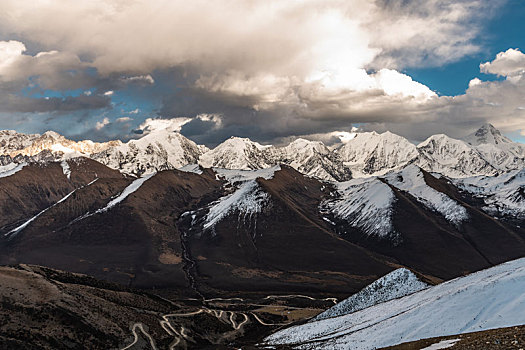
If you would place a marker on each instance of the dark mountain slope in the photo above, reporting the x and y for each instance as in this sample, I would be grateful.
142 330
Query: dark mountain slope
284 248
426 241
136 242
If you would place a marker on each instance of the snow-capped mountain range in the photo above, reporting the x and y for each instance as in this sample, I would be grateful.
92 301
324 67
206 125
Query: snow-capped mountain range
485 152
365 171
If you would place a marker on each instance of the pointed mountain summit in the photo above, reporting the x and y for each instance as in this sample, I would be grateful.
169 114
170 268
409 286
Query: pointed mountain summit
312 158
498 150
487 134
370 153
451 157
236 153
159 150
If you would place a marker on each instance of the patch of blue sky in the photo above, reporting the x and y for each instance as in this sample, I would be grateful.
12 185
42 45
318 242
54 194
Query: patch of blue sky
501 32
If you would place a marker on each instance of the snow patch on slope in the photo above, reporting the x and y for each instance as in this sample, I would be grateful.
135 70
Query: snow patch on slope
66 169
236 176
134 186
17 229
444 344
411 180
191 168
396 284
248 199
365 204
10 169
489 299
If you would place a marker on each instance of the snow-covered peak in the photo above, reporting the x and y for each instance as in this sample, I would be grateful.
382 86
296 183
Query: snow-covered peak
301 145
498 150
370 153
311 158
396 284
159 150
236 153
451 157
11 140
61 147
241 143
487 133
51 134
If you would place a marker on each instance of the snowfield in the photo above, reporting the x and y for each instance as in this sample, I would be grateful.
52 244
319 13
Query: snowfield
488 299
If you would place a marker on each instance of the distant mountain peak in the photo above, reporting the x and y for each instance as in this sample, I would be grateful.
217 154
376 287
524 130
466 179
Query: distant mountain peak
486 134
52 134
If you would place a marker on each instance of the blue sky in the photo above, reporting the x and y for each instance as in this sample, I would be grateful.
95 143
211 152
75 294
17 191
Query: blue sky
506 29
267 70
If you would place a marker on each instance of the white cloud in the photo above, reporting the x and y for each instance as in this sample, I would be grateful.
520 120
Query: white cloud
101 124
123 119
135 111
147 79
395 83
510 63
474 82
108 93
282 38
10 51
153 124
176 124
345 136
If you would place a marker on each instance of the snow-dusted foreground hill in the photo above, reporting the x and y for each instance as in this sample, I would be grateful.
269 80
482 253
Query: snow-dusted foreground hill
488 299
396 284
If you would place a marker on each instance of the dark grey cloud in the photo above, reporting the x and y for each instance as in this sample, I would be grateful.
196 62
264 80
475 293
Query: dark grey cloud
22 104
